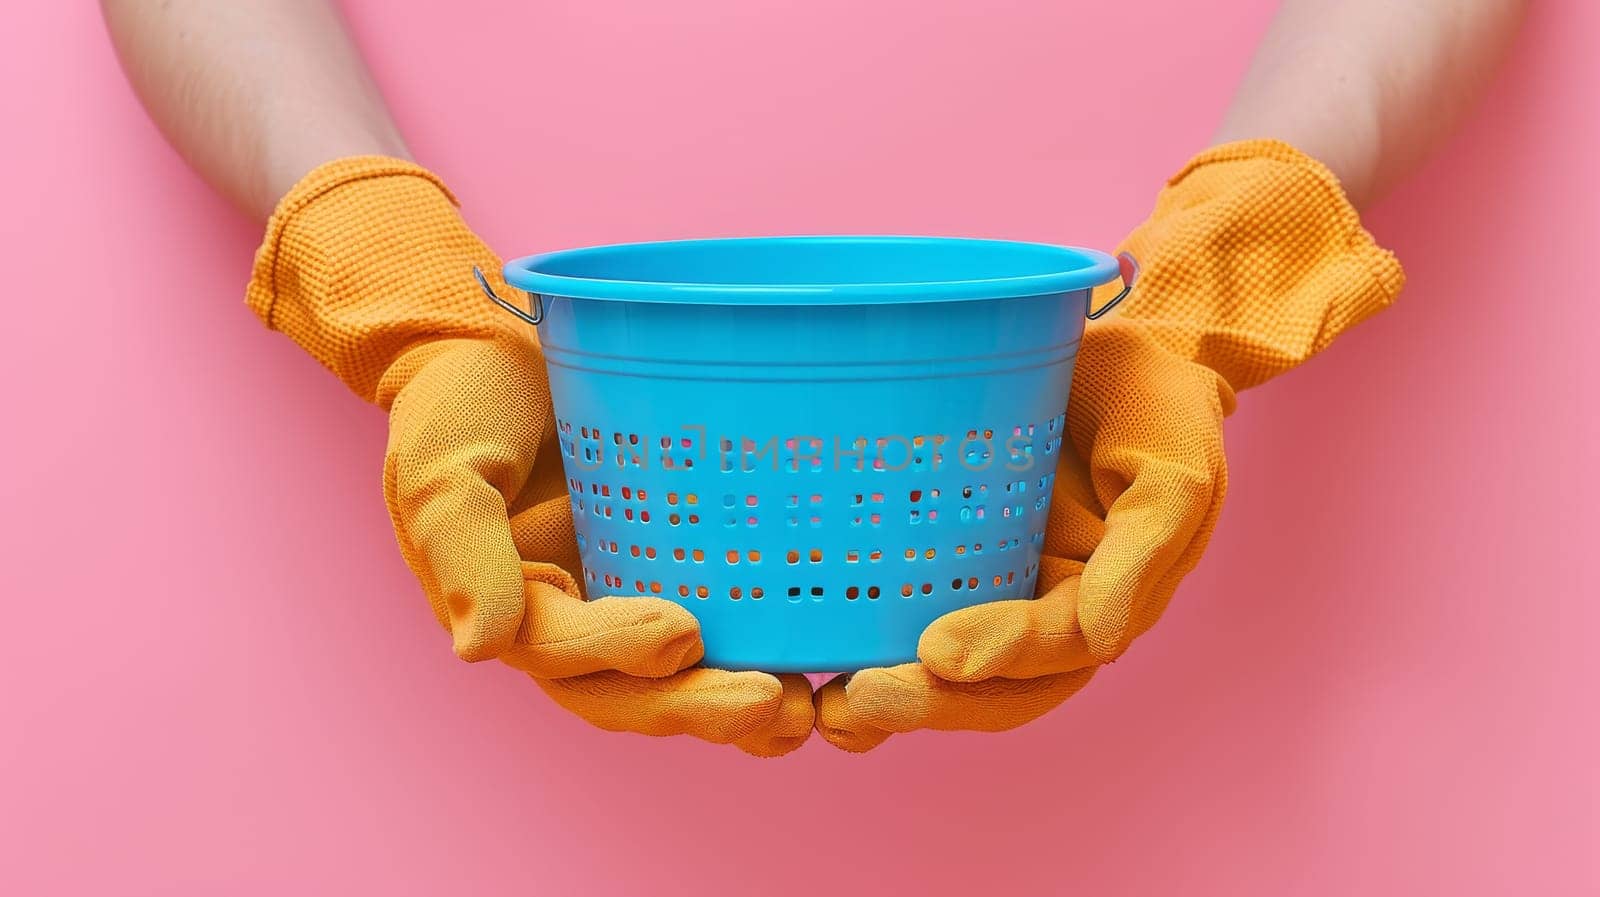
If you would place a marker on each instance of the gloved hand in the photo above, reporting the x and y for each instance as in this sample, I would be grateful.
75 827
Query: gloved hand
1252 262
368 266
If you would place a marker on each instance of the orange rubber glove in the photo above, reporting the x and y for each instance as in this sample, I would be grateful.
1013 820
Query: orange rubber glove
1252 262
368 266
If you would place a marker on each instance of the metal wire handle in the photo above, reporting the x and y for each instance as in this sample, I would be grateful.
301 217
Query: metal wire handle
1130 272
534 315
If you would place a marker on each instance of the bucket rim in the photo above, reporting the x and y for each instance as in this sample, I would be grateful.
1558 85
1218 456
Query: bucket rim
1069 269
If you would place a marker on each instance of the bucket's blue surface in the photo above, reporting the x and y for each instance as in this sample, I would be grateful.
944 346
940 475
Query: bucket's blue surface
815 444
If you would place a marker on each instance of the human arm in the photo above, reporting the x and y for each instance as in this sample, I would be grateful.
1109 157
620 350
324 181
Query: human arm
253 93
1370 87
1252 262
367 265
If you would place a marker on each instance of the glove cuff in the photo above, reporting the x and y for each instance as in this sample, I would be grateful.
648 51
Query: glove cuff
1254 260
366 258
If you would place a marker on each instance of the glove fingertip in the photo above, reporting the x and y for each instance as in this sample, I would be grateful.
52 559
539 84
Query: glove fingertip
488 631
663 655
673 632
638 635
948 655
1105 632
892 699
743 706
978 642
1105 637
836 723
791 725
755 694
1105 611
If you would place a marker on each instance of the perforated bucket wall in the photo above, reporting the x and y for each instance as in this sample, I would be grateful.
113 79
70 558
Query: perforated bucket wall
816 485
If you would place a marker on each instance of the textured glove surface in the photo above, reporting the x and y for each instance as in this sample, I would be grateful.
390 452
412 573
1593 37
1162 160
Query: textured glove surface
367 265
1252 262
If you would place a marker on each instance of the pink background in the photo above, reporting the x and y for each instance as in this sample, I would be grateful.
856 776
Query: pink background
220 678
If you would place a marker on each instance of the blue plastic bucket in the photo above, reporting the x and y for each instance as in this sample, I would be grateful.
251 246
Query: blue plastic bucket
815 444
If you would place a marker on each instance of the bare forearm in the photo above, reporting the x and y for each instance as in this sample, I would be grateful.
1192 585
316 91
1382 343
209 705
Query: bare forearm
253 93
1370 87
